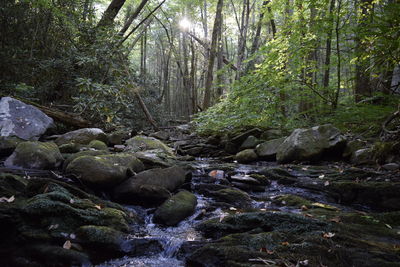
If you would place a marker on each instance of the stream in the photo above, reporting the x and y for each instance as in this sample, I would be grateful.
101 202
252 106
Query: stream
172 238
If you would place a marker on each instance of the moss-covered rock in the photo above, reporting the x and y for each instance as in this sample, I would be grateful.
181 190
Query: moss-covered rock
250 142
8 144
151 186
68 160
98 145
82 136
279 174
70 148
35 155
247 155
34 229
142 143
104 170
11 185
233 197
176 208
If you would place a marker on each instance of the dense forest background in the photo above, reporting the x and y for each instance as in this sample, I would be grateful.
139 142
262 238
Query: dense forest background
226 63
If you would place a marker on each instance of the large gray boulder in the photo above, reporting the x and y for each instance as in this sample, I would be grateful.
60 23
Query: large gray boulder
104 171
35 155
311 144
268 150
151 186
22 120
176 208
82 136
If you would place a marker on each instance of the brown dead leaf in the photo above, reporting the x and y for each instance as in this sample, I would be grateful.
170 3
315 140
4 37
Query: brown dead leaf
97 207
285 243
269 252
67 244
309 215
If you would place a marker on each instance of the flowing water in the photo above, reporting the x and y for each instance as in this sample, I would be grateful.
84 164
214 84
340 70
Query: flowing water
172 238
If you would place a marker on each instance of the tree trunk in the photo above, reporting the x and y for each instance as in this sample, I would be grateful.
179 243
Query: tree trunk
111 12
213 48
328 49
362 87
131 18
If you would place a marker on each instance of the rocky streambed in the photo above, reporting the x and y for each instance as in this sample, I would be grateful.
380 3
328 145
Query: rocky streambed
171 198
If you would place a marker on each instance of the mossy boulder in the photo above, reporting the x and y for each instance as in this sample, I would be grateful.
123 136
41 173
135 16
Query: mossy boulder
233 197
8 144
35 155
267 150
105 170
47 213
117 137
82 136
176 208
311 144
151 186
246 156
279 174
142 143
68 160
11 185
70 148
98 145
362 156
352 146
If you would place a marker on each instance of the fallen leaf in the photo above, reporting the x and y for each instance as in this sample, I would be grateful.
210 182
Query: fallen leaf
217 174
304 263
321 176
11 199
67 244
336 219
270 252
285 243
326 183
232 208
304 207
71 201
388 226
7 199
304 168
97 207
283 202
309 215
221 217
328 235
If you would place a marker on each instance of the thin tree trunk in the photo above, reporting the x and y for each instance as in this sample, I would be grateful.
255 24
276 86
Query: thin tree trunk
328 49
214 39
132 17
110 13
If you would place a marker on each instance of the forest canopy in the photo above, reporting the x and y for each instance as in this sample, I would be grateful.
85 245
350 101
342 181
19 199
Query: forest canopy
227 63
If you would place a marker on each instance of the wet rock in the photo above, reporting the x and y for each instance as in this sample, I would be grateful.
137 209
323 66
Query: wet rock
161 135
311 144
247 155
103 242
250 142
233 197
82 136
176 208
142 247
230 147
378 195
268 150
391 166
141 143
8 144
150 187
11 185
35 155
281 175
22 120
105 170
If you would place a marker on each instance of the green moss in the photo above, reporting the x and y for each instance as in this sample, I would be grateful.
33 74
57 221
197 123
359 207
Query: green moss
98 145
292 200
140 143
